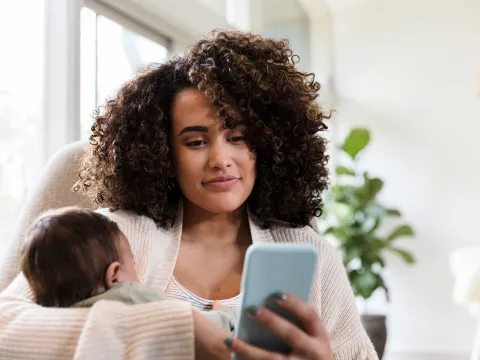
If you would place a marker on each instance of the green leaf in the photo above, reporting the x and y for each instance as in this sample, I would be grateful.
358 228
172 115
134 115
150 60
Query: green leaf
387 293
366 222
393 212
380 261
402 230
329 230
375 210
372 187
375 186
404 254
356 141
342 170
377 244
378 221
367 279
364 283
350 254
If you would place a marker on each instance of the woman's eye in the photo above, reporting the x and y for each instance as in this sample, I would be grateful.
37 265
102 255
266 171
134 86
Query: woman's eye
237 139
195 143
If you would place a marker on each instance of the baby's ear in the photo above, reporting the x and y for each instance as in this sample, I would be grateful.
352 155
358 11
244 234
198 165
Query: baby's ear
112 275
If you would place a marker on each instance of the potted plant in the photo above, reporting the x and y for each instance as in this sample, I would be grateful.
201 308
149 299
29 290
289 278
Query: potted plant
353 217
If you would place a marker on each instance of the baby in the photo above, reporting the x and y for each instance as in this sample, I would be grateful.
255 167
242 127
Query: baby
75 257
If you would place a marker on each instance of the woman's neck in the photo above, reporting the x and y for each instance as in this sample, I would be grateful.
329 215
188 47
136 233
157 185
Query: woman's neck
215 230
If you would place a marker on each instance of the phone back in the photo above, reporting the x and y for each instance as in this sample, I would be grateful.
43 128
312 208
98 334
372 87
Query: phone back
270 268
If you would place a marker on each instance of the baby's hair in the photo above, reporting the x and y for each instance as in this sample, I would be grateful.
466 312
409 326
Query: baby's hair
66 254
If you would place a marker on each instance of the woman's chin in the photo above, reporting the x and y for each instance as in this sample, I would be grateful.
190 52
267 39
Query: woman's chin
221 205
222 208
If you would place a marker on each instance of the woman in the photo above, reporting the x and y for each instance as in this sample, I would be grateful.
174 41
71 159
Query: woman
197 159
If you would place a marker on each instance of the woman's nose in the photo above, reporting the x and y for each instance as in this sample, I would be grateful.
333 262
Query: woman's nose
219 157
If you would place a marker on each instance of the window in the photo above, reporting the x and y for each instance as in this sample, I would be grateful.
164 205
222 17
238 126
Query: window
22 148
110 55
112 48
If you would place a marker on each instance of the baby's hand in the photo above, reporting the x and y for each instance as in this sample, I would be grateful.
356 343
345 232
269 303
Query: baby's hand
225 315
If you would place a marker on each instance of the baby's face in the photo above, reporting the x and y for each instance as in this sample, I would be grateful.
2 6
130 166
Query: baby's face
127 270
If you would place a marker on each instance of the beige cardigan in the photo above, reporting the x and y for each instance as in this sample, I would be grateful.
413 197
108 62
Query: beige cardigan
162 330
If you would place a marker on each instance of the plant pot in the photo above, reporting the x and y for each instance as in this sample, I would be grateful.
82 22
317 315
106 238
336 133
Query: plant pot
376 329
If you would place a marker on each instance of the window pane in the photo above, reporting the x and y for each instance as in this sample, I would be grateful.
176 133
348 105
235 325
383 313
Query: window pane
88 68
21 128
120 52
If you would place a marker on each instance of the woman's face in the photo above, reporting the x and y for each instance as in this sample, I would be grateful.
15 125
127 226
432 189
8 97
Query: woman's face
215 169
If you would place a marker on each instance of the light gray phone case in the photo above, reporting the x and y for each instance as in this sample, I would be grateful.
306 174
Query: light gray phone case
270 268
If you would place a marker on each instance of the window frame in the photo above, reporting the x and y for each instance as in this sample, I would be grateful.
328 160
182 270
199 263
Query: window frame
129 22
104 11
61 96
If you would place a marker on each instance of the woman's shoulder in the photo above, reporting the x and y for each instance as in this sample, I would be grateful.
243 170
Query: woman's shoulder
132 224
123 216
282 233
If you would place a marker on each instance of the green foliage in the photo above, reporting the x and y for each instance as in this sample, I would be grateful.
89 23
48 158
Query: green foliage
356 142
354 217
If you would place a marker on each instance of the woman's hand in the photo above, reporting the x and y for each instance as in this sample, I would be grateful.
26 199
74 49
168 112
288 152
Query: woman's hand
311 344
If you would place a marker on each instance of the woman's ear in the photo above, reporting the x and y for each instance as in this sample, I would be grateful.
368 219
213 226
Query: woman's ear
112 275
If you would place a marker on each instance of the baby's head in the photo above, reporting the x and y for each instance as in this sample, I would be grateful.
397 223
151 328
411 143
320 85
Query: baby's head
72 254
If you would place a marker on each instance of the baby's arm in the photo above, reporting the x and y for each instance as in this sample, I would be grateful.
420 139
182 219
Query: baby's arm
221 318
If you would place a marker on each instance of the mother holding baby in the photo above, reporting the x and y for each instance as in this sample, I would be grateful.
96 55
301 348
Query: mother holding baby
196 159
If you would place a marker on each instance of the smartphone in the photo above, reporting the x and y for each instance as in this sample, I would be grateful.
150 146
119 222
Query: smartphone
270 268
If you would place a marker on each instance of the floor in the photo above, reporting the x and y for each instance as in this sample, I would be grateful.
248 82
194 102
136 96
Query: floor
398 356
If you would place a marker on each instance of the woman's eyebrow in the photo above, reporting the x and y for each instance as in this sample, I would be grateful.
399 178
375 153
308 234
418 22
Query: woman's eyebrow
194 129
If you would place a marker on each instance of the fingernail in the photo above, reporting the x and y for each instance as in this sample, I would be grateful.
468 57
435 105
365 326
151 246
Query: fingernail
279 296
252 310
228 342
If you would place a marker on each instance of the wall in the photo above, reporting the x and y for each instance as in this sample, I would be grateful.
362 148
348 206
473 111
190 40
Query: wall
284 19
182 21
406 70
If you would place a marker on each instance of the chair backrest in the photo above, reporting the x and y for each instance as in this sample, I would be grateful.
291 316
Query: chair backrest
53 190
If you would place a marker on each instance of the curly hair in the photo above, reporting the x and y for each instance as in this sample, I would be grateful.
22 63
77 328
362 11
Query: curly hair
129 164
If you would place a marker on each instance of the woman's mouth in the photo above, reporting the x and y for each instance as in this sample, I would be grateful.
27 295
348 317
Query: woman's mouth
221 183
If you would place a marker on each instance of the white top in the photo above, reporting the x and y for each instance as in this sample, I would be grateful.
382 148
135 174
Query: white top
175 290
160 330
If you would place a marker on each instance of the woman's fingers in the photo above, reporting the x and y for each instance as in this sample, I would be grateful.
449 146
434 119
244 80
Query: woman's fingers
290 333
303 312
250 352
311 342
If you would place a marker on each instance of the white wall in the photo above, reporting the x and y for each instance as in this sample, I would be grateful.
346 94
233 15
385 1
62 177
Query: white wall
285 19
297 31
406 70
183 21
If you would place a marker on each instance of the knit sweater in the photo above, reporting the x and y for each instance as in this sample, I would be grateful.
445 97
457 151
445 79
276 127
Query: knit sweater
163 330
